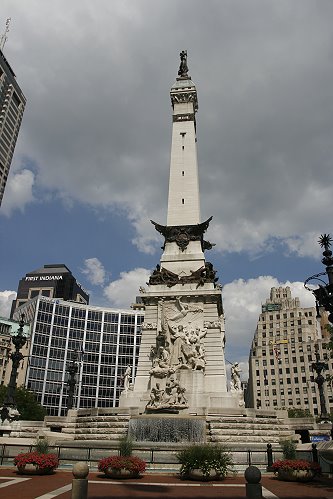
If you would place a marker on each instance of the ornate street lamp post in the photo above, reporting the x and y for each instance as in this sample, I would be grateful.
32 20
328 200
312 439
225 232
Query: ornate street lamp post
324 292
72 370
324 299
9 410
318 367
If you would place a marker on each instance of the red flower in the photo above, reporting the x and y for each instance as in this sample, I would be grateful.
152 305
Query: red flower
296 464
42 461
130 463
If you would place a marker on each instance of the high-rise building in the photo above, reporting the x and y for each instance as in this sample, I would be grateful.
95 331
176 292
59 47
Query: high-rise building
52 281
107 341
12 104
282 354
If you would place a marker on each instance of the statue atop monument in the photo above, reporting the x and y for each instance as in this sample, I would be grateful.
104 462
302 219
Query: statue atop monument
183 68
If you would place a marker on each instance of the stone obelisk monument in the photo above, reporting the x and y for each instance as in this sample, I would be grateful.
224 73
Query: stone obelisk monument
181 367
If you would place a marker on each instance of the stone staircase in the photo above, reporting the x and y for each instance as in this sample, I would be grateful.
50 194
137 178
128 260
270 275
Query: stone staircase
98 424
251 431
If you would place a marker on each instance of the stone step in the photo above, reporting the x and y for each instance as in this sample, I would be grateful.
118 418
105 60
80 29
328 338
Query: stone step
256 439
89 419
244 420
105 431
247 427
102 425
245 432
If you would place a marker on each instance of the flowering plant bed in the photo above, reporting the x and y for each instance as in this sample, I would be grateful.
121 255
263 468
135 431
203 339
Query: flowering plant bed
122 466
41 463
296 470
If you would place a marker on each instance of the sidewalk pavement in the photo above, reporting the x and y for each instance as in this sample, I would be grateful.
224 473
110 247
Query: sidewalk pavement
154 486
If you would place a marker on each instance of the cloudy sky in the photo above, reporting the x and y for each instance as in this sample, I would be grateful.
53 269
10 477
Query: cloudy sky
91 163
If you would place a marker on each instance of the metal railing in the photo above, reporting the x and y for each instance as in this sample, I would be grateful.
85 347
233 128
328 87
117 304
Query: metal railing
157 458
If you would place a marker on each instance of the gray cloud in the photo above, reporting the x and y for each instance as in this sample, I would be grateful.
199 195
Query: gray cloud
98 126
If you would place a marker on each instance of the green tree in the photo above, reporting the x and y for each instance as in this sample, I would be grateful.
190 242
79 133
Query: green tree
294 412
28 406
329 345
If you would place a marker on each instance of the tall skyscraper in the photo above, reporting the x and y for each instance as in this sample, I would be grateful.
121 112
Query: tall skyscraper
282 354
12 104
52 281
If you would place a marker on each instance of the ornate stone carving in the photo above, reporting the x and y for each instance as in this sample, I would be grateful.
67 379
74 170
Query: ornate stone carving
170 399
183 234
183 68
214 324
163 276
126 378
161 362
200 276
178 344
235 384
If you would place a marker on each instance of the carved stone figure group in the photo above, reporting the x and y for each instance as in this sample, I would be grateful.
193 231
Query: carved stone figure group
179 342
172 397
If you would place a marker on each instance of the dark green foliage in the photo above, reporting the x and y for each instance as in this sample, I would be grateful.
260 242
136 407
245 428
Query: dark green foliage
27 405
125 446
42 445
288 448
205 457
329 345
299 413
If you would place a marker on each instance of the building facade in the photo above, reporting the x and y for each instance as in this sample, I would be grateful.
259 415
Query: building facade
282 354
8 328
107 340
52 281
12 104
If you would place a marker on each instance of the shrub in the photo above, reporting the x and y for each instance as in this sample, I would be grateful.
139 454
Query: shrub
42 445
295 412
130 463
204 458
288 448
125 446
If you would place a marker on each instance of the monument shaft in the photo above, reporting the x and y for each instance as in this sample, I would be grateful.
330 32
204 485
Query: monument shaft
181 367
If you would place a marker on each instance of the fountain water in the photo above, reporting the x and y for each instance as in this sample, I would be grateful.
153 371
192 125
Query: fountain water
167 429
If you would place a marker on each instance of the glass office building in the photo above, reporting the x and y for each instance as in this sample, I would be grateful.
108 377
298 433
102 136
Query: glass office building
107 340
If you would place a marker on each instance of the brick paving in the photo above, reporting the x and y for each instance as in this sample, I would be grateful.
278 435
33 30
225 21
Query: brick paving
154 486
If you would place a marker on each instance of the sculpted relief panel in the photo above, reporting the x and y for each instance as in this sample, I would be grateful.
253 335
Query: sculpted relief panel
178 346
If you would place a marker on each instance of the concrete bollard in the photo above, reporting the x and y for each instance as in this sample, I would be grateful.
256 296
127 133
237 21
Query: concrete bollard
80 481
253 487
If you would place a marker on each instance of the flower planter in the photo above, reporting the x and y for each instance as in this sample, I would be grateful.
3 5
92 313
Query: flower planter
197 474
33 463
296 470
122 466
33 469
296 475
120 473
